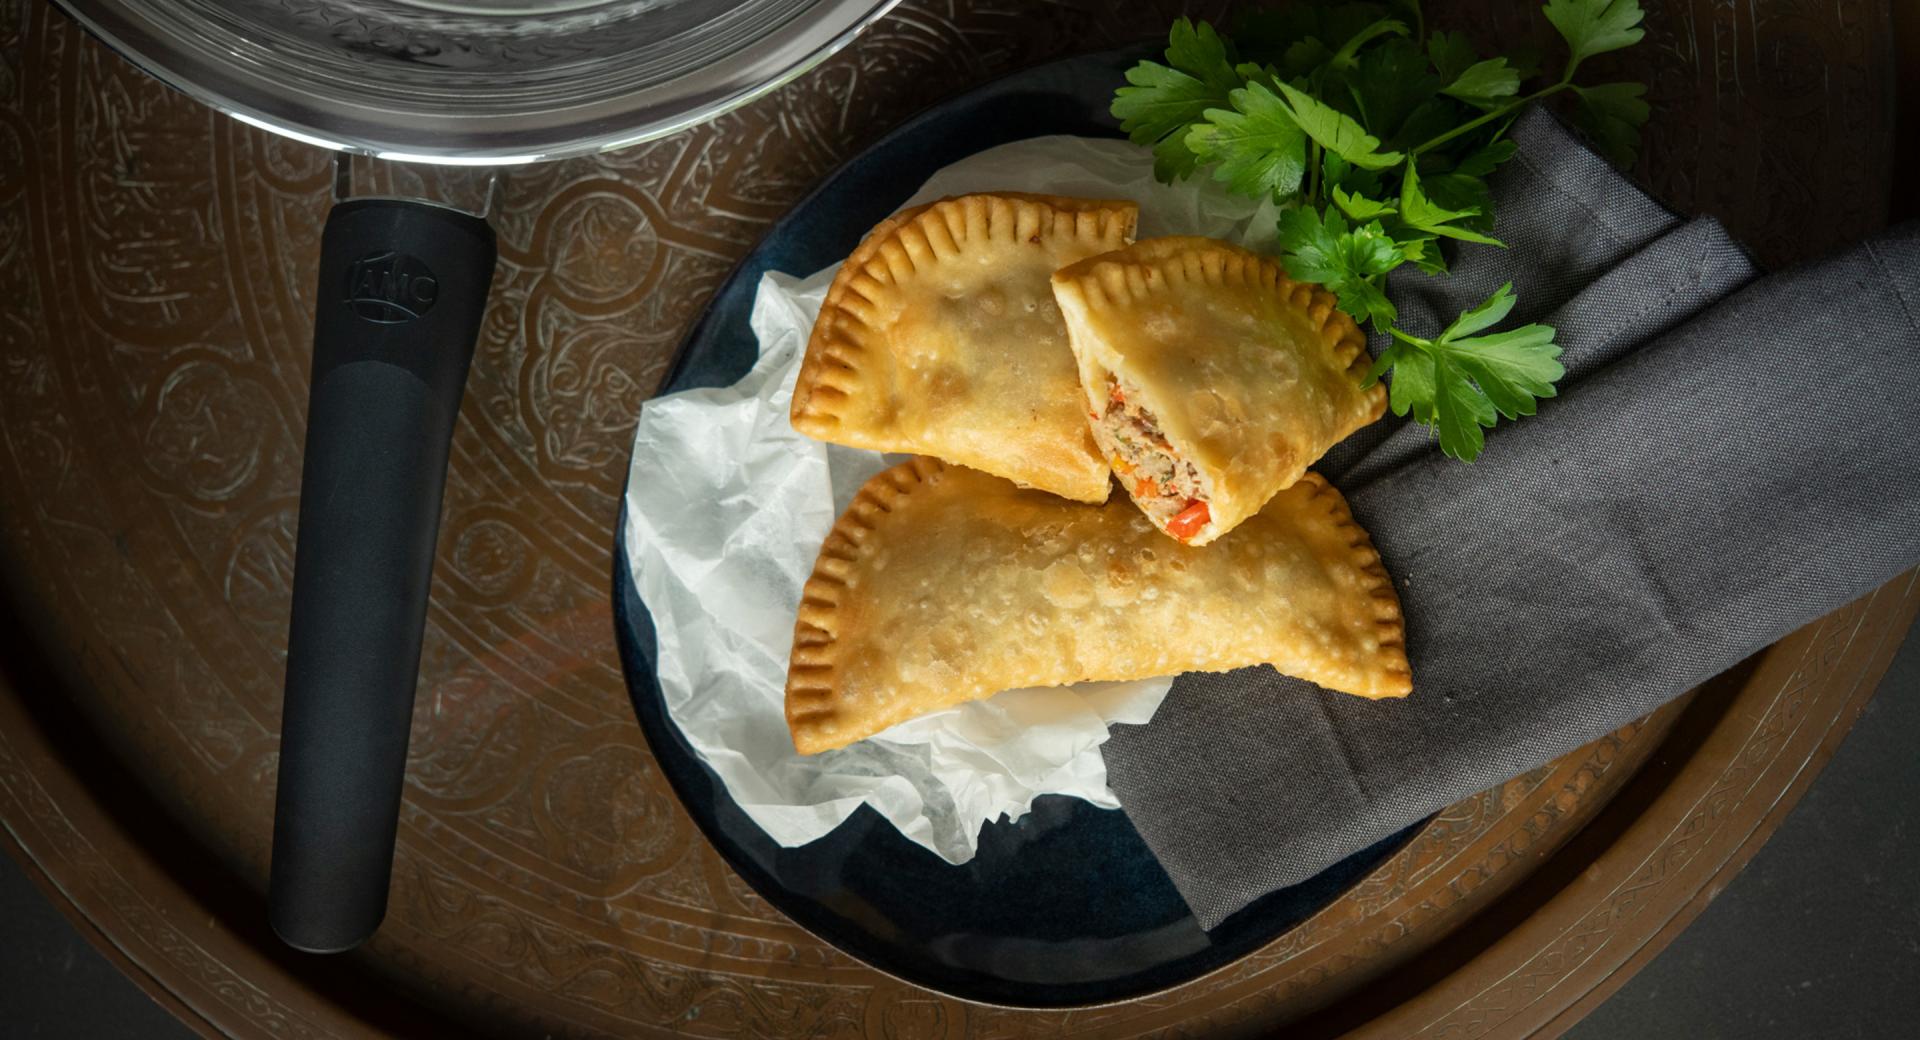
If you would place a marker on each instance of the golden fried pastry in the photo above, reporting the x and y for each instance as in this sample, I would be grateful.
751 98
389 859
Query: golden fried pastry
941 585
1212 380
940 336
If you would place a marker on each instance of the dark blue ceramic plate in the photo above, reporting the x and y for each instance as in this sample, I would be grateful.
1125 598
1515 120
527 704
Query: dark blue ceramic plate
1064 907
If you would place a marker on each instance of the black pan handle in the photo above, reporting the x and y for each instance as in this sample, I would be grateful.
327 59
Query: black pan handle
403 286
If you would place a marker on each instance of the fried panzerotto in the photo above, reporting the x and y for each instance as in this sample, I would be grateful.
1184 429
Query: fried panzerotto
940 336
941 585
1212 380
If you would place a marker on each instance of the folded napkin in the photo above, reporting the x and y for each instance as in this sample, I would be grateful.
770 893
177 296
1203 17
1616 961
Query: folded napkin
1730 456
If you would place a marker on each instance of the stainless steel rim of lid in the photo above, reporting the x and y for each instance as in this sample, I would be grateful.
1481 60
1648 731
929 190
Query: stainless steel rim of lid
460 118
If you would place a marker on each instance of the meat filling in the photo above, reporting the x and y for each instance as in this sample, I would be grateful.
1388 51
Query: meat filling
1167 487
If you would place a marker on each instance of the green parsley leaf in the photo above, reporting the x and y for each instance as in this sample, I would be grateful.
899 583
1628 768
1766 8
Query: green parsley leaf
1511 368
1359 207
1433 117
1527 58
1273 29
1160 101
1344 21
1593 27
1412 388
1260 150
1336 172
1482 161
1462 192
1422 251
1410 9
1304 58
1198 50
1484 314
1612 115
1334 130
1344 57
1427 215
1265 36
1344 259
1484 84
1163 101
1460 383
1452 54
1387 359
1391 82
1366 301
1458 412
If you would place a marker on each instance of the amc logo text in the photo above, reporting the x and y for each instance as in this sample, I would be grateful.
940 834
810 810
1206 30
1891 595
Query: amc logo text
390 288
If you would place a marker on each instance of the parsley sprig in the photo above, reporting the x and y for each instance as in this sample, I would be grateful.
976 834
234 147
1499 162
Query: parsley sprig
1377 135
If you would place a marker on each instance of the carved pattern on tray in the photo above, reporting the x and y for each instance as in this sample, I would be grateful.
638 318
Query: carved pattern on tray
156 266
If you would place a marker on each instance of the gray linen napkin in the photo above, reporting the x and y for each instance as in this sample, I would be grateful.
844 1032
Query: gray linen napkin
1729 458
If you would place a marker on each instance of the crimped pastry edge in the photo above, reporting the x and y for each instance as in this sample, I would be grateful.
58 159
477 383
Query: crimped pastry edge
1378 586
830 372
1123 277
811 685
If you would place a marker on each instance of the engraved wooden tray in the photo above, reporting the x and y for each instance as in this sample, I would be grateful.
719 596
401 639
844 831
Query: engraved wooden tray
156 266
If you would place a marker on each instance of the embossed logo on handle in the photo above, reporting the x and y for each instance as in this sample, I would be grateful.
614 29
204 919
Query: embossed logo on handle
390 287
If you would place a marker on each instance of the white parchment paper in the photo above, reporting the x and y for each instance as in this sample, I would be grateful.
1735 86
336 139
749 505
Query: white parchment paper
727 507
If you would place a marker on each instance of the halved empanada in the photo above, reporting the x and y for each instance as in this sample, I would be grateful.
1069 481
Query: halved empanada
1213 380
941 585
940 336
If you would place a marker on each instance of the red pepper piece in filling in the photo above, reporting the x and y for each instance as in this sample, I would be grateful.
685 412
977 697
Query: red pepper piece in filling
1188 522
